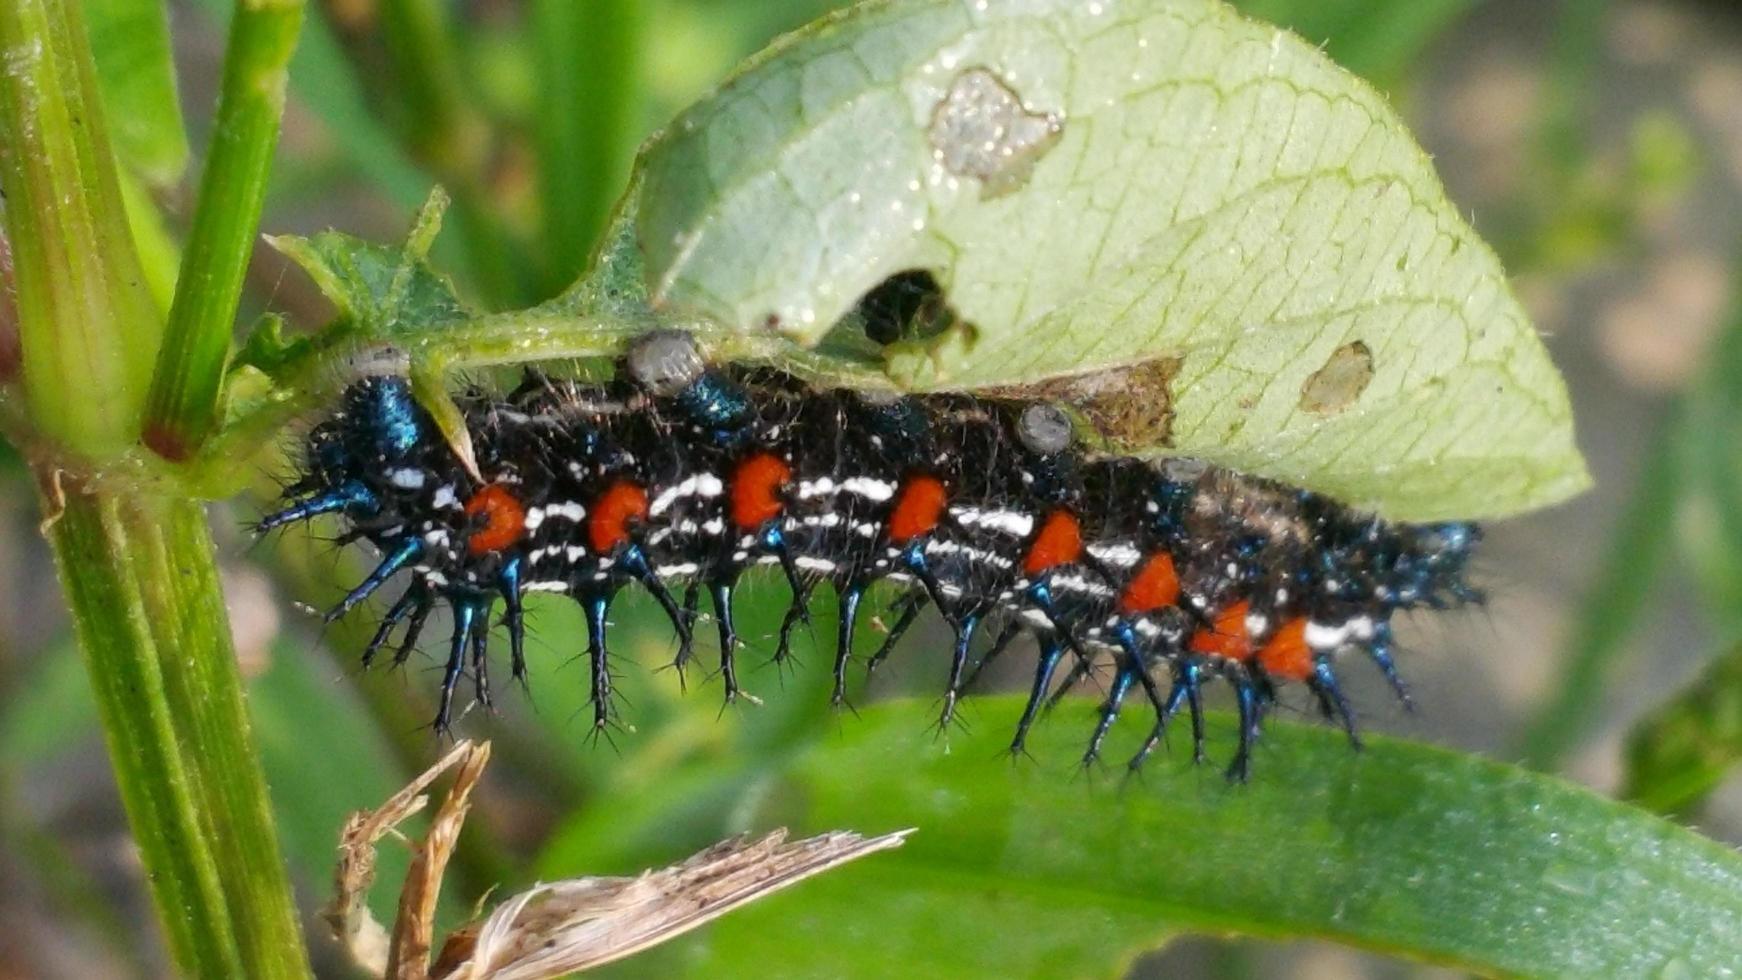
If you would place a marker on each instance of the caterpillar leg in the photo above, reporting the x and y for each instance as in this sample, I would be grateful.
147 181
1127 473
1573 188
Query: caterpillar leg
912 605
797 612
966 627
1332 703
514 618
416 597
1051 651
597 606
467 614
480 659
851 593
1122 681
1251 718
721 592
634 561
405 554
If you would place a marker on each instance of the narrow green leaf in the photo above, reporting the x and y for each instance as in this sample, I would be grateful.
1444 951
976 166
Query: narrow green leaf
183 407
1192 226
588 60
130 41
1619 593
1405 849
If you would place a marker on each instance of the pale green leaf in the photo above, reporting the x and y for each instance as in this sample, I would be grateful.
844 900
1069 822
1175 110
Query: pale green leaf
1192 226
130 44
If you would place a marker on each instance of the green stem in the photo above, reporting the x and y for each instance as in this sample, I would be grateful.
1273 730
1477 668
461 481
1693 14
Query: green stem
87 323
190 366
142 586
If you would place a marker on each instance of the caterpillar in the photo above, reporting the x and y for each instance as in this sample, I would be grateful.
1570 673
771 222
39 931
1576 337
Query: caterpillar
682 473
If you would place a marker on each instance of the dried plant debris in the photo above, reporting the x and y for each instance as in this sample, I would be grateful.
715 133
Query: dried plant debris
554 929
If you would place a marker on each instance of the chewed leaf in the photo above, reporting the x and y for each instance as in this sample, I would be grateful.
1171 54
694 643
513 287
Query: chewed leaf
381 289
1191 226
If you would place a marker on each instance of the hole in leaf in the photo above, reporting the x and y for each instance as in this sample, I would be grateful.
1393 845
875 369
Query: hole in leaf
908 305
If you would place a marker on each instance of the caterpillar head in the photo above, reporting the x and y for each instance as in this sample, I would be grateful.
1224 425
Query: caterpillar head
364 454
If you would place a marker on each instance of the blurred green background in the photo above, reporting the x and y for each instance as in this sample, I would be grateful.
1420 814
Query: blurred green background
1597 144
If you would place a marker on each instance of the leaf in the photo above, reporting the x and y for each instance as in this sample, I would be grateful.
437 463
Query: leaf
384 288
1169 216
130 44
1678 754
1405 848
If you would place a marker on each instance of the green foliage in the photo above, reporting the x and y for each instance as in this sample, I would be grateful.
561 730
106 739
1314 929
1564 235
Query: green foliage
1679 754
1024 870
130 44
747 207
1377 41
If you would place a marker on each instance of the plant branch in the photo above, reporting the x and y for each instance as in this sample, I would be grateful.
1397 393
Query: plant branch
221 894
87 323
185 390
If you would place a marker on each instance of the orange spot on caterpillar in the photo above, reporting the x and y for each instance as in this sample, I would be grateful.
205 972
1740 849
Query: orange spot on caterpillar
756 486
504 519
1059 542
1155 585
918 508
1227 638
621 503
1287 654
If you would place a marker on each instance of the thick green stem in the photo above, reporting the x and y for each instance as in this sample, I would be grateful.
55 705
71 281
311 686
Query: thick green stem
139 571
190 367
87 323
141 582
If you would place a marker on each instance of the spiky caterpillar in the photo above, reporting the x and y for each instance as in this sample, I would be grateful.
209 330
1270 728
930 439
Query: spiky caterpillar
679 472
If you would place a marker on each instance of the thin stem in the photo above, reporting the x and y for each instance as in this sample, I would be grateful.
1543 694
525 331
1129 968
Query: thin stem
190 366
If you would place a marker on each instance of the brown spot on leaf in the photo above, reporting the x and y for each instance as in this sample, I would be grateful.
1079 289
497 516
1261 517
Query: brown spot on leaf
1127 407
981 129
1335 386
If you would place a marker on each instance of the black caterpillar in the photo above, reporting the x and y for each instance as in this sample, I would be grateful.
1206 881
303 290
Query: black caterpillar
682 472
